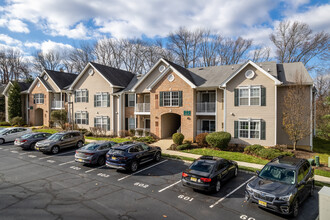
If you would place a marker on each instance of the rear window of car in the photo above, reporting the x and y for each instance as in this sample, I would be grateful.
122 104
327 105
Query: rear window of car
26 135
75 134
116 152
91 146
202 166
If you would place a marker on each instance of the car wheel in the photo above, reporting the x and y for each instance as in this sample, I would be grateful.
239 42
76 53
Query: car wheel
157 156
236 172
218 186
247 197
295 208
55 150
2 141
80 144
32 146
134 166
101 161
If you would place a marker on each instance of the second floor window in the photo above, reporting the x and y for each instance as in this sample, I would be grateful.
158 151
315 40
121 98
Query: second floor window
102 99
173 98
250 95
81 118
38 98
81 95
131 100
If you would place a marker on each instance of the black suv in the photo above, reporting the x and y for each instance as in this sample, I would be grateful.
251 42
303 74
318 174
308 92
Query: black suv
208 173
282 185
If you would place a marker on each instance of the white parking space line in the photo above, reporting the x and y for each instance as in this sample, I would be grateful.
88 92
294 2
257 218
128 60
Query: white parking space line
66 163
221 199
0 148
51 161
94 169
32 156
57 155
169 186
141 170
24 153
14 151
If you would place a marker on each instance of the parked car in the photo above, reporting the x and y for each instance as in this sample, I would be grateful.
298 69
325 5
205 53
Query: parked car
209 173
130 156
282 185
60 140
10 134
28 141
94 153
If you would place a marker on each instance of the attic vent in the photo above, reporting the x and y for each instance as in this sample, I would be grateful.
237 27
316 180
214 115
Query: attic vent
232 68
268 70
91 71
260 64
161 68
249 74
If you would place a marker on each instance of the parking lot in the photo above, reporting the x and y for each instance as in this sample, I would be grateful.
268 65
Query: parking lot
40 186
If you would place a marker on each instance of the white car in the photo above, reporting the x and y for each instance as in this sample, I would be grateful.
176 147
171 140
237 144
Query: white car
10 134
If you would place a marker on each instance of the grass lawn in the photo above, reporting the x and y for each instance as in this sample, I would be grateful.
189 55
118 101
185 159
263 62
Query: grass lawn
227 155
118 140
49 130
321 145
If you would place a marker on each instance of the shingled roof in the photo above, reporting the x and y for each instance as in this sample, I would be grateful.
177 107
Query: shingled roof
116 77
62 79
185 72
24 86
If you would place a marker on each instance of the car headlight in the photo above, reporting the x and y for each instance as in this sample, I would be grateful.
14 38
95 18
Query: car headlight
248 188
285 198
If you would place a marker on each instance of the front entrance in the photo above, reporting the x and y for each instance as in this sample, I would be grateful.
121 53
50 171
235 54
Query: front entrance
170 124
39 117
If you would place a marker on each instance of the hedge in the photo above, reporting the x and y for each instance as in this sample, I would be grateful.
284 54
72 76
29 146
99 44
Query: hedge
178 138
218 139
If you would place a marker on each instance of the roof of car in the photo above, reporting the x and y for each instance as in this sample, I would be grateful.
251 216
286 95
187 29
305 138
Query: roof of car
286 161
210 158
100 142
125 146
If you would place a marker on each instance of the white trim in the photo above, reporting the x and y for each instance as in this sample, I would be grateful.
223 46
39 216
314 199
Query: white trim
34 82
275 116
215 124
171 99
7 87
224 109
45 72
148 73
134 111
27 109
277 82
119 114
216 109
311 118
249 94
249 120
206 113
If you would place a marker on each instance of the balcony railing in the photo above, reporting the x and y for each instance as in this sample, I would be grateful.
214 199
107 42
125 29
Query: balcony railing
206 107
57 104
142 107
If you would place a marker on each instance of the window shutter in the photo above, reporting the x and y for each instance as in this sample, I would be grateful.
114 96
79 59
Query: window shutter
236 96
87 118
161 98
126 100
235 129
94 122
75 96
263 96
180 98
263 130
94 100
108 100
75 117
126 123
108 124
34 99
87 95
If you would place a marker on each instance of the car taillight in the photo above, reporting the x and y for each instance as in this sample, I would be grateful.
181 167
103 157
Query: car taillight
89 154
184 174
24 141
206 180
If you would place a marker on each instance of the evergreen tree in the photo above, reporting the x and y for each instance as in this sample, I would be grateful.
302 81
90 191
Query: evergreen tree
14 101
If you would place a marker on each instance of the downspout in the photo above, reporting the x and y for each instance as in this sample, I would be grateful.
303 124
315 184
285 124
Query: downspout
275 116
311 118
224 107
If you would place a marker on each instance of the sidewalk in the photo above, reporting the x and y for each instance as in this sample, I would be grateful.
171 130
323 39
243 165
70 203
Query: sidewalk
166 143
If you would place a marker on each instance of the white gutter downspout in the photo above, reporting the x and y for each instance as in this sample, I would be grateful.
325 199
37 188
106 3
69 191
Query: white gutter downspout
224 108
311 118
216 109
27 109
275 116
119 116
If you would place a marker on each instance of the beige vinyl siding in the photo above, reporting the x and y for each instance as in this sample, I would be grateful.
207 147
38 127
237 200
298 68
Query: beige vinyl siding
219 109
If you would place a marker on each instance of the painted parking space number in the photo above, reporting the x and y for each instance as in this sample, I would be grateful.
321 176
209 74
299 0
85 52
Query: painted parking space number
75 168
245 217
103 175
187 198
141 185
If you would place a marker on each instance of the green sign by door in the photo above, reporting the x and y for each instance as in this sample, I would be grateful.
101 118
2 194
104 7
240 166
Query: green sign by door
187 113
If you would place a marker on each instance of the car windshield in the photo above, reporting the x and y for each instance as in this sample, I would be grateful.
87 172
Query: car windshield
55 137
279 174
4 130
202 166
116 152
91 146
26 135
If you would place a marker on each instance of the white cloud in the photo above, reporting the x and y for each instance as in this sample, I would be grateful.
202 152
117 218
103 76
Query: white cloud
16 25
32 45
9 40
49 45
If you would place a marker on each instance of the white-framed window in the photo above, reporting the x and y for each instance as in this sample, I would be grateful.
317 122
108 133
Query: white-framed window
171 98
131 100
38 98
249 129
81 117
102 122
208 126
102 99
131 123
250 95
82 95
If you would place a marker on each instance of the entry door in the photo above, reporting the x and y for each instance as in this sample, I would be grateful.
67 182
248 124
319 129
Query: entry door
147 123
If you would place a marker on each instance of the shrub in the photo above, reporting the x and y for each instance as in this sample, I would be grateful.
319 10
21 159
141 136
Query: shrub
147 139
183 147
88 134
147 133
269 153
218 139
132 132
187 142
253 149
60 117
201 140
139 132
83 130
178 138
14 101
17 121
123 133
4 123
172 147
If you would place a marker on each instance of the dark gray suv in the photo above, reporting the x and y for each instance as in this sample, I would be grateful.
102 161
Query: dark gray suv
59 141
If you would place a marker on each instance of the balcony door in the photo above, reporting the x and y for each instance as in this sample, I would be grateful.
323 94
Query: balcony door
207 97
146 98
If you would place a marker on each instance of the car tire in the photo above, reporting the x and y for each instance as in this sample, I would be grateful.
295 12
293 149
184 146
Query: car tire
295 208
2 141
235 172
247 197
101 161
32 146
217 186
157 156
134 166
79 144
55 150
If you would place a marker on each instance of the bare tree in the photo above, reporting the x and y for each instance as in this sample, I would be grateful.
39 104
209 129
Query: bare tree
76 60
209 46
109 52
51 60
185 45
295 42
296 111
12 66
261 54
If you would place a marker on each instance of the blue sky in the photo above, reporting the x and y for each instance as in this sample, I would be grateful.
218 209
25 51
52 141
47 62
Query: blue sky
30 25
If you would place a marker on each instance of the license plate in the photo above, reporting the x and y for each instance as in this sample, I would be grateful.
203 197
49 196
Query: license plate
37 148
262 203
114 158
80 160
193 179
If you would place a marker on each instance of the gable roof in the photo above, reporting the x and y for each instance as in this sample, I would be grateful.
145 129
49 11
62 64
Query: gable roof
61 79
116 77
23 86
38 78
291 73
185 72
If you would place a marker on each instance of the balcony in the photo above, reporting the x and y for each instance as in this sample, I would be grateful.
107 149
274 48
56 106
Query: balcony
207 108
142 108
57 105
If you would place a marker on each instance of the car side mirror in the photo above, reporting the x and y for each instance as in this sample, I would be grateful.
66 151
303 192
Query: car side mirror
62 138
257 172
